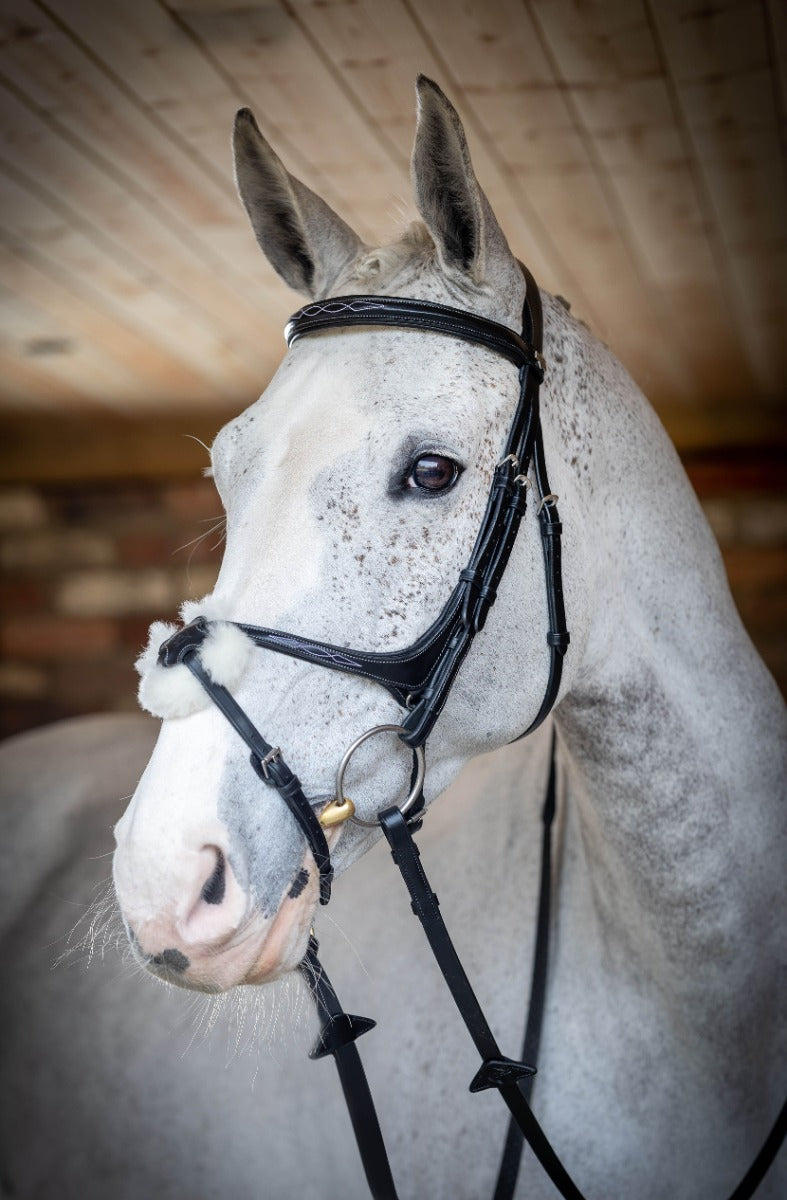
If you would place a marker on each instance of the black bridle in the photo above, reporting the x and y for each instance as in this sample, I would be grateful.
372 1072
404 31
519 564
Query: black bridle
420 678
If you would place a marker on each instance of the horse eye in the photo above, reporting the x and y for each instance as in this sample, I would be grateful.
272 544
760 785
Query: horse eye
432 473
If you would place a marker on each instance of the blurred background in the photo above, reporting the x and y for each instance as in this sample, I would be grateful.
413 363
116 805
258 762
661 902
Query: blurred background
633 151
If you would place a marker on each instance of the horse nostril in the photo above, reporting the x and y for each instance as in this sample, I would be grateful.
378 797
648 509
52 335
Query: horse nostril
172 959
213 891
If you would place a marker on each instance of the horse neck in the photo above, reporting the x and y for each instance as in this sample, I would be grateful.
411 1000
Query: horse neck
672 732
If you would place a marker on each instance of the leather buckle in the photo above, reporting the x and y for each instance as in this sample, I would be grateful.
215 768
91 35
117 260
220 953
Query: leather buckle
268 758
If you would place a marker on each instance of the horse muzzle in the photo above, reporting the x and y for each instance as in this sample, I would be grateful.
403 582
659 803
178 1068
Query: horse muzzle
207 933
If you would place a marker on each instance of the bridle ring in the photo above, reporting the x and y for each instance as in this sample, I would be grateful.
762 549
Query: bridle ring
415 791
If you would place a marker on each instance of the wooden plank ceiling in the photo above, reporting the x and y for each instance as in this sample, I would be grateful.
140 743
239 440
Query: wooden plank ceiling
634 151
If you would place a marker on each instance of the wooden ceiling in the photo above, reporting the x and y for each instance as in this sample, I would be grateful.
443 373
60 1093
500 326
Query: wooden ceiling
634 152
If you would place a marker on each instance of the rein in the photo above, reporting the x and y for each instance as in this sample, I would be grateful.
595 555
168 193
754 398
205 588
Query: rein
420 678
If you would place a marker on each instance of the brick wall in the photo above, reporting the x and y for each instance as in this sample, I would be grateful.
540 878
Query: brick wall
743 494
87 567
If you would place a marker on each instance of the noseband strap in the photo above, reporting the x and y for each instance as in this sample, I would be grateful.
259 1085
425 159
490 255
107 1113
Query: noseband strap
183 647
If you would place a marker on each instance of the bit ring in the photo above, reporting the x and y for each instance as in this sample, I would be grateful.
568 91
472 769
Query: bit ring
415 791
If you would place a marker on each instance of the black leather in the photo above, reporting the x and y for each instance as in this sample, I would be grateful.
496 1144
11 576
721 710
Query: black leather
420 676
183 647
404 313
496 1071
338 1035
401 672
514 1144
768 1151
176 648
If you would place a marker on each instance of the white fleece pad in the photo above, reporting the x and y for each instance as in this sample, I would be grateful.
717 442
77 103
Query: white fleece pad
173 691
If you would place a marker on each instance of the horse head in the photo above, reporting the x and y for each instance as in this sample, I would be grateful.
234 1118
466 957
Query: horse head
353 489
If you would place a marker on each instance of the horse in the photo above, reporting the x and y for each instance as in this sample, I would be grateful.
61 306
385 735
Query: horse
353 490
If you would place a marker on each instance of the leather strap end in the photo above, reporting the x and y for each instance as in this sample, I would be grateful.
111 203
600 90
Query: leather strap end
471 576
518 502
486 599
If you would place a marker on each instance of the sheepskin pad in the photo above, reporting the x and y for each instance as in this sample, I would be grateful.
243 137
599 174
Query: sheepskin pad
173 691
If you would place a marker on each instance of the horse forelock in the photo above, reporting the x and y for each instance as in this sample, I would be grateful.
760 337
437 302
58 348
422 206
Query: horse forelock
409 265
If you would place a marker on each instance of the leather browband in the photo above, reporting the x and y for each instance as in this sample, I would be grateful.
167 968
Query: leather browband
403 313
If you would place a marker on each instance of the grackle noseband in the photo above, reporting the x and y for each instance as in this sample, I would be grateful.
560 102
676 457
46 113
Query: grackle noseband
420 678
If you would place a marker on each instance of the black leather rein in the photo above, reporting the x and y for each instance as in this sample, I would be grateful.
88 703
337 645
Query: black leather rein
420 678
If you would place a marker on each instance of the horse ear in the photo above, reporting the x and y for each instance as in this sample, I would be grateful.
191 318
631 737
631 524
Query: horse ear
303 239
456 211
